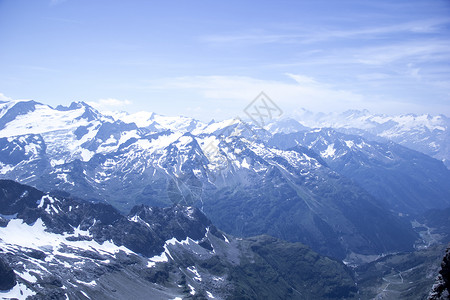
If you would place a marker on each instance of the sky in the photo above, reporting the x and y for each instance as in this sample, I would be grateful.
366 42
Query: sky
210 59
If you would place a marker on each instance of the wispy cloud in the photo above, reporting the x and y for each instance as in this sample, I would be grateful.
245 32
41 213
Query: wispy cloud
298 34
405 62
295 91
430 51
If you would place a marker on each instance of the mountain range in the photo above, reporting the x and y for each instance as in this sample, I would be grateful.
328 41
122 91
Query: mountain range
55 247
61 248
344 194
425 133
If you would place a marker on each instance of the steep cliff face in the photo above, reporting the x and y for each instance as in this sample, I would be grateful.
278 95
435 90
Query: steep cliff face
441 289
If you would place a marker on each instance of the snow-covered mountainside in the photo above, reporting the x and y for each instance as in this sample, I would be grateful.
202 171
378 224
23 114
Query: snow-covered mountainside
425 133
407 181
246 183
60 248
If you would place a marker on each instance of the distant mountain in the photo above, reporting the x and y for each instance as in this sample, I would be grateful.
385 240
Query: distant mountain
227 169
425 133
404 180
286 125
60 248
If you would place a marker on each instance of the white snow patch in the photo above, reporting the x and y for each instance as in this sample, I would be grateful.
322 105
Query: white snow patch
45 197
192 292
86 155
245 164
5 168
329 152
164 256
63 177
215 278
218 126
178 123
193 270
128 135
160 258
92 283
27 276
19 291
226 240
157 145
19 234
111 140
44 119
141 119
77 232
349 144
56 162
183 141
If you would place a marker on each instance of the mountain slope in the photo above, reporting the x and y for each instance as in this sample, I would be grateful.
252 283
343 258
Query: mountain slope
62 248
298 199
404 180
400 276
424 133
227 169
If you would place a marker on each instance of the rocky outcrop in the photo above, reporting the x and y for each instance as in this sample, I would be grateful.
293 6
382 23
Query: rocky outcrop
7 276
441 289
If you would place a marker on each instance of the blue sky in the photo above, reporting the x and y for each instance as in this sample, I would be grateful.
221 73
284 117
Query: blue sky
209 59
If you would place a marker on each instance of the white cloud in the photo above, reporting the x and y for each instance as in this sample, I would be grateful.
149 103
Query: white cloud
300 91
301 35
423 51
231 94
4 98
109 103
301 79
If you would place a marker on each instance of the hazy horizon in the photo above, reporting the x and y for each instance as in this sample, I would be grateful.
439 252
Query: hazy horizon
302 115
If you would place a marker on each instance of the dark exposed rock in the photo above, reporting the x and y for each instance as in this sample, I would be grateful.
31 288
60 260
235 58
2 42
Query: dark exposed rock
7 276
3 222
36 254
441 289
15 198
